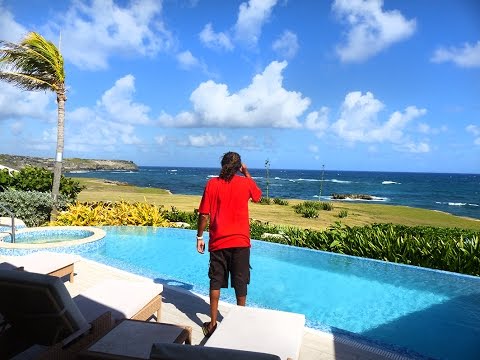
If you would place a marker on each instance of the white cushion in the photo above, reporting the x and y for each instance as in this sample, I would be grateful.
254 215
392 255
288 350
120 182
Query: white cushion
261 330
42 262
124 298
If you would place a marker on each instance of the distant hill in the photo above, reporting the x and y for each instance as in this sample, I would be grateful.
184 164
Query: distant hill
18 162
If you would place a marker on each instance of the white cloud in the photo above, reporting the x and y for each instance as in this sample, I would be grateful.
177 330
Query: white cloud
16 103
160 139
264 103
475 130
92 32
313 148
207 140
359 122
427 129
219 41
370 28
187 60
318 121
17 128
411 147
251 17
10 30
286 45
466 56
110 124
118 105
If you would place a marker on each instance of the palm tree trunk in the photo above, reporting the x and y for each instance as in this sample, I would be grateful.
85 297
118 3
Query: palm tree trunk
57 170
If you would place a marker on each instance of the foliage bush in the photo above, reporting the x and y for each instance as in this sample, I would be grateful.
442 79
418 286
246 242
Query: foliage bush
343 214
279 201
5 179
326 206
176 215
449 249
32 178
265 201
111 214
33 207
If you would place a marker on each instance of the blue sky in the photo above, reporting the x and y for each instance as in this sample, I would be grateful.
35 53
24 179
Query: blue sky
350 84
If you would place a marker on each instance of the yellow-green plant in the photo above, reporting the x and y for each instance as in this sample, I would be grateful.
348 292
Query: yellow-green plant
111 214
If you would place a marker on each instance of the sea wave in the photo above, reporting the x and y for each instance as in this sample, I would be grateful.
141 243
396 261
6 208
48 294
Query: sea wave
373 198
389 182
79 171
451 203
340 181
173 170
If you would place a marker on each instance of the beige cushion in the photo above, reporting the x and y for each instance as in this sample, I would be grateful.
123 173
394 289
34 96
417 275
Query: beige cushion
165 351
42 262
261 330
124 298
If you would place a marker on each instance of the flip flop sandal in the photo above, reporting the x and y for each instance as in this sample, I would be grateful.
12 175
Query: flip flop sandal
207 333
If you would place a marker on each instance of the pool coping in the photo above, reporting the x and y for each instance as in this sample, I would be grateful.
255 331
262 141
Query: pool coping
98 234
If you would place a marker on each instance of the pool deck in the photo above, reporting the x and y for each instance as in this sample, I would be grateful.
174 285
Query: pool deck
183 307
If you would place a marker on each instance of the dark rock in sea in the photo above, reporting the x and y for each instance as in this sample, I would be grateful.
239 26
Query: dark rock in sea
352 197
18 162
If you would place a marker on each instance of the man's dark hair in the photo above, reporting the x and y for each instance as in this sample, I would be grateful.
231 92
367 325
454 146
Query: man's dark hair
231 163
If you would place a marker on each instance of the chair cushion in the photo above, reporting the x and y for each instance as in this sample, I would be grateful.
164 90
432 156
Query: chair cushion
262 330
124 298
165 351
39 306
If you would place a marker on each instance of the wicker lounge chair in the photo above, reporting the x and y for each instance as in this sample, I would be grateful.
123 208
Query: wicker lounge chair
260 330
43 262
40 310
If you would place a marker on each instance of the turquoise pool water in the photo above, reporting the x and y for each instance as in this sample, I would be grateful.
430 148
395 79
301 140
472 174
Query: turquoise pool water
419 312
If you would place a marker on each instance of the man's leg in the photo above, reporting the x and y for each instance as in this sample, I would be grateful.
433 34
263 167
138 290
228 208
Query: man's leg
240 269
241 300
214 297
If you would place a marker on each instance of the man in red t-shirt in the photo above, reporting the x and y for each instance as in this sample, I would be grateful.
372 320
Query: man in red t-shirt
225 204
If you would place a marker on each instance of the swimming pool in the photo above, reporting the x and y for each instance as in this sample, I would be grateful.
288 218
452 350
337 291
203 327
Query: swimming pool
424 313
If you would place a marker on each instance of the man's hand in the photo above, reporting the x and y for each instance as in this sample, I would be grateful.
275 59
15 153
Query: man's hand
201 246
244 170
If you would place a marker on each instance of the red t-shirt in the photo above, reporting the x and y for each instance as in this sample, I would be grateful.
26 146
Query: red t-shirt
227 205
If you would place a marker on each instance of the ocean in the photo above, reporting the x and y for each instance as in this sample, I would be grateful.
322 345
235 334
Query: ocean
458 194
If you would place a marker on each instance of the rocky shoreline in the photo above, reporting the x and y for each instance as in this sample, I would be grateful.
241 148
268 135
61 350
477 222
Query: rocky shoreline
18 162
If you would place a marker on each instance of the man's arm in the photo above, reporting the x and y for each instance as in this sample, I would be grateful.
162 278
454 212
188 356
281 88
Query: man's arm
255 191
202 224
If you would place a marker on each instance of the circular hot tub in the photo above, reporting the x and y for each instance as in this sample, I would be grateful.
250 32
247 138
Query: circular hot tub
50 237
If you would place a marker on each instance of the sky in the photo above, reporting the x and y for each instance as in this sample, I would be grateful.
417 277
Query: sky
367 85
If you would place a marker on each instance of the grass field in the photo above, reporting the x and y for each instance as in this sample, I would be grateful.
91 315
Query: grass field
358 213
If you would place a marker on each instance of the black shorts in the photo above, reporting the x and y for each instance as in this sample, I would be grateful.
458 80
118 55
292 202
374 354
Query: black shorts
233 261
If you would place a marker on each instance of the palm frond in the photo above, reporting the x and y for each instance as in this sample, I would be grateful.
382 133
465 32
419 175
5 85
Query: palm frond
36 63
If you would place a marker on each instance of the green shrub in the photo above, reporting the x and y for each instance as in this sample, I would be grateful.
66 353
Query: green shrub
265 201
279 201
33 207
449 249
5 179
38 179
310 213
175 215
343 214
326 206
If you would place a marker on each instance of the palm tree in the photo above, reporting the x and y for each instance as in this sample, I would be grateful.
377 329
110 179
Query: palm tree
36 64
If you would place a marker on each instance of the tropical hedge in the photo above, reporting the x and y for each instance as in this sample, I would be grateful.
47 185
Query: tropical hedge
450 249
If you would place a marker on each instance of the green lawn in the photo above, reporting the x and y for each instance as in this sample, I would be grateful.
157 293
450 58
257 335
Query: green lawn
358 214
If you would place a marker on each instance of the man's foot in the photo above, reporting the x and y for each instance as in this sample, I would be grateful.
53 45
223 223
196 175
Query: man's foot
208 328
